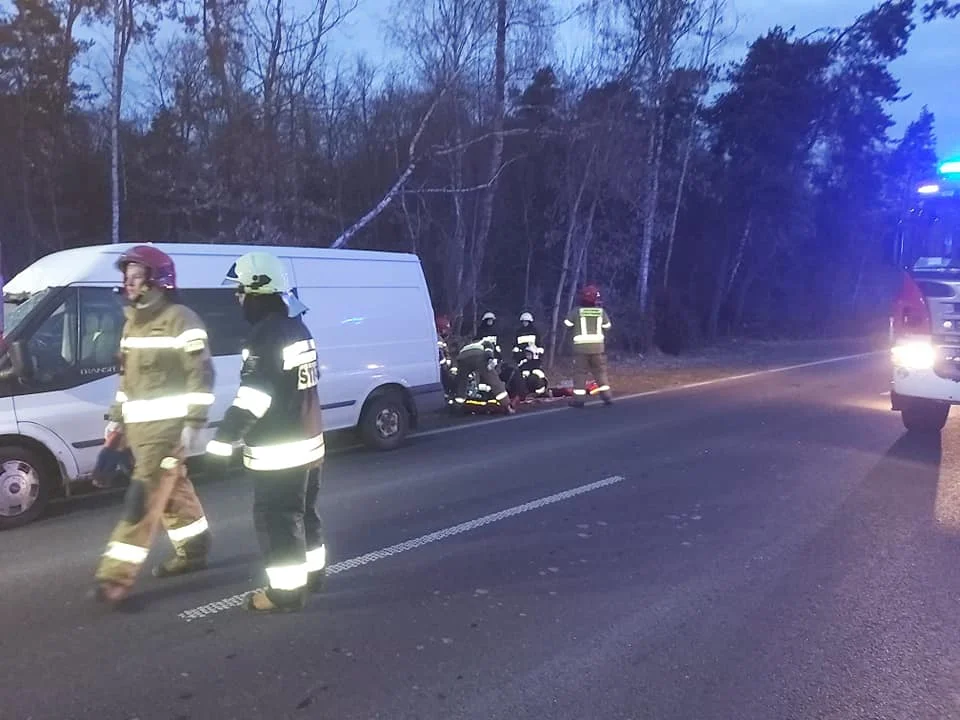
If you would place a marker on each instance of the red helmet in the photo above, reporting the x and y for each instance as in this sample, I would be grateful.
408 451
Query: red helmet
590 295
163 273
443 325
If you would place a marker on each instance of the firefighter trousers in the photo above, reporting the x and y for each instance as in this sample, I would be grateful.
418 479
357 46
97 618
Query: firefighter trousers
289 531
595 364
313 527
477 362
160 492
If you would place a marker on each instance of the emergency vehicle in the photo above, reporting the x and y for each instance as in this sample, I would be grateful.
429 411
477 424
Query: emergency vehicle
925 322
370 313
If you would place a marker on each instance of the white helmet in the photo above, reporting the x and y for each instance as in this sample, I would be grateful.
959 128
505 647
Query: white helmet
526 317
488 316
260 273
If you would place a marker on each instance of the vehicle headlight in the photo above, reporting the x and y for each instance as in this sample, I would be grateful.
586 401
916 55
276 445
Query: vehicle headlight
914 354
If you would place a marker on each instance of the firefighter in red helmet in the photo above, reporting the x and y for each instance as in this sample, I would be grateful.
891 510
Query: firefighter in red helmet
166 389
589 322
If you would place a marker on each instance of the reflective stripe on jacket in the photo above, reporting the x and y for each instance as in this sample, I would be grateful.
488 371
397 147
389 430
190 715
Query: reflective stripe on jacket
166 371
589 324
276 412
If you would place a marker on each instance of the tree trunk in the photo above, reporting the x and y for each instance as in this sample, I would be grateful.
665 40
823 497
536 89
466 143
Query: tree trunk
122 33
530 248
671 236
654 158
567 252
705 55
482 234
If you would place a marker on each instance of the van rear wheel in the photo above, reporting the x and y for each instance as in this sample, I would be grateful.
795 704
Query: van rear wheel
924 416
385 421
25 482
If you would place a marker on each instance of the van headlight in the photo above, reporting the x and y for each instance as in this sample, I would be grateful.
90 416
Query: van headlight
914 354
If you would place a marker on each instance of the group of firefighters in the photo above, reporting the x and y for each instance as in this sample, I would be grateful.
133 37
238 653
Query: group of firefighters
166 389
510 383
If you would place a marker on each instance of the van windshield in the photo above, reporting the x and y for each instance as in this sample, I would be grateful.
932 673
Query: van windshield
16 308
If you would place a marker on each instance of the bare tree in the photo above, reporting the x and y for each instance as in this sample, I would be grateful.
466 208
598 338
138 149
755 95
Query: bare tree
711 41
124 26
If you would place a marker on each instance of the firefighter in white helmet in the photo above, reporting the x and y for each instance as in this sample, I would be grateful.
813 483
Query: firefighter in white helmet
528 357
276 414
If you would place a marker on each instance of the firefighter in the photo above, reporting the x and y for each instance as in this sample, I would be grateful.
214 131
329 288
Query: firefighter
479 357
276 414
165 391
528 355
488 331
448 371
589 321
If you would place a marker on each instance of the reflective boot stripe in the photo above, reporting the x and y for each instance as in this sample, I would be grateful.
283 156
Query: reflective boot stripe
288 577
124 552
181 534
317 559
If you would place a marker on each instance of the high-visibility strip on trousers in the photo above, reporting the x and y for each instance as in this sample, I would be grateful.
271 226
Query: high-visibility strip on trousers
160 493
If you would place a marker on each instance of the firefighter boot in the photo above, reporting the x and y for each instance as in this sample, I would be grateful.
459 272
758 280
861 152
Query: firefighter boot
192 557
259 601
607 397
110 593
316 579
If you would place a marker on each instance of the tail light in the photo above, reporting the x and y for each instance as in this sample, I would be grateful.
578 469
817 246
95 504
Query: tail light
911 328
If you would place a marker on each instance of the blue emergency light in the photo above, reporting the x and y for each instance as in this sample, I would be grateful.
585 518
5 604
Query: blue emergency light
950 167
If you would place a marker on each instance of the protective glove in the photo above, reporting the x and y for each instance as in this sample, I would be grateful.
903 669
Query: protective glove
192 440
492 364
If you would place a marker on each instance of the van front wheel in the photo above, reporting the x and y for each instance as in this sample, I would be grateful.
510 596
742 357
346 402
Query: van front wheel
24 486
385 421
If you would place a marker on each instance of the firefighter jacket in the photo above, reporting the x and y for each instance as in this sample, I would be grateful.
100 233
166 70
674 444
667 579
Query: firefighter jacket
589 324
166 373
276 412
488 333
443 351
525 336
477 349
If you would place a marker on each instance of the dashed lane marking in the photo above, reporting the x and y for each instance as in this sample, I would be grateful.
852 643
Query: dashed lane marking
235 601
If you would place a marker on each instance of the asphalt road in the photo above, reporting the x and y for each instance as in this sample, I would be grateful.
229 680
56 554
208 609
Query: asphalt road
769 548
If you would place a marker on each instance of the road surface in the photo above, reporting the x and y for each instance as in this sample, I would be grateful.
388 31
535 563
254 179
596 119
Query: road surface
772 547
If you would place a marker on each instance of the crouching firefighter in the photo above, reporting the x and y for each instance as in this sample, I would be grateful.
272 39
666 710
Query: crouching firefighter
165 391
480 357
276 414
589 322
528 356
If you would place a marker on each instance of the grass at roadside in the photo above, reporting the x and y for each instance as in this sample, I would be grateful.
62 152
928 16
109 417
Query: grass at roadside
633 374
639 374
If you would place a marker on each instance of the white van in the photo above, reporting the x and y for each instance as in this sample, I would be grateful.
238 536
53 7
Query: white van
370 313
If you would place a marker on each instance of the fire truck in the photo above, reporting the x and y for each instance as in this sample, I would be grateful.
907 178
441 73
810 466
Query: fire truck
925 319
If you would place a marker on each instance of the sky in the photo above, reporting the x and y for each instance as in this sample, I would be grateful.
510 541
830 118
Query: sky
930 72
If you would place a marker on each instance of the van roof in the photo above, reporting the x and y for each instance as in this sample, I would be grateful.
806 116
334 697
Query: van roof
96 263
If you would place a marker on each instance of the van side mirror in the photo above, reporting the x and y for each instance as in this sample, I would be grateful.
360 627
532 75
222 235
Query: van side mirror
20 366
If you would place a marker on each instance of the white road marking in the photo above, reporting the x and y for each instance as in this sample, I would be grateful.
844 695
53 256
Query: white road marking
650 393
237 600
